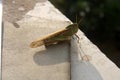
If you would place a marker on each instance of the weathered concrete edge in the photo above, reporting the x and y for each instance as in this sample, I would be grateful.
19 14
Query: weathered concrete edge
99 67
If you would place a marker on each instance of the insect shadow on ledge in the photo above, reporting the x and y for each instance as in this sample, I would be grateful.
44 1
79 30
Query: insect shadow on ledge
54 54
57 53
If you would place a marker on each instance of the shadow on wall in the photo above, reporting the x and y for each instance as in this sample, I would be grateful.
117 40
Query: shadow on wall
54 54
81 68
84 70
59 53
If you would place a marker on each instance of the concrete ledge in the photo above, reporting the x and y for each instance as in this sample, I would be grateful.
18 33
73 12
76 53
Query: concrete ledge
99 67
19 61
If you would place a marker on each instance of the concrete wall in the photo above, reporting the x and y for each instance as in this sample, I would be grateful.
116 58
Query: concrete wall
25 21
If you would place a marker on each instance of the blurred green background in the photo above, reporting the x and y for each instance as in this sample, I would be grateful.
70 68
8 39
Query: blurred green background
100 22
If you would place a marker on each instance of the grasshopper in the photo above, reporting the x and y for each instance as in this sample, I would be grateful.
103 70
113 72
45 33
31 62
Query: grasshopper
58 36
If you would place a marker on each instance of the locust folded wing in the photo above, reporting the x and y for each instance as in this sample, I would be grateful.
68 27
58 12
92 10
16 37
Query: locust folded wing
61 35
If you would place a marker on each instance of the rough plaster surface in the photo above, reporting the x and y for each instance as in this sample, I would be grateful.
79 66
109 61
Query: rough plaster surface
20 62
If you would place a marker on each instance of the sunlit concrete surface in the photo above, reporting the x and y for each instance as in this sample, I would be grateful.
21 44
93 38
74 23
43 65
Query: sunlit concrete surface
19 61
89 63
73 60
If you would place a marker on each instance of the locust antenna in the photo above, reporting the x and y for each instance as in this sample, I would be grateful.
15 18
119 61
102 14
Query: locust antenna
80 20
76 18
78 25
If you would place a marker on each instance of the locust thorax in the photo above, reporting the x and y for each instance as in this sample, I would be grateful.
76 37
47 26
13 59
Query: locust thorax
73 28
